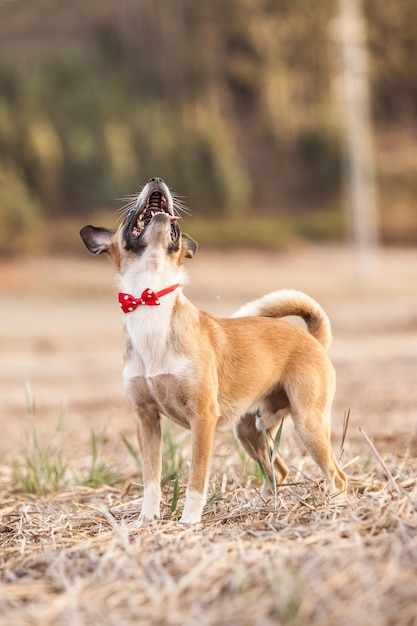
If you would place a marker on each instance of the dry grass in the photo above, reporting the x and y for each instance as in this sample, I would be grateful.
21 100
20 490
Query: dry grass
78 557
75 557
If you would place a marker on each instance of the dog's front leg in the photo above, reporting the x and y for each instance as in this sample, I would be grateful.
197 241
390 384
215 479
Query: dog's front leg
202 436
150 450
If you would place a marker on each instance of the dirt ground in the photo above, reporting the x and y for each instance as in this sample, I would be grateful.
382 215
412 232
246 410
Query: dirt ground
76 556
60 330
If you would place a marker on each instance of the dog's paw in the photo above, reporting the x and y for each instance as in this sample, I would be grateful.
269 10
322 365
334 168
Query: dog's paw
190 518
142 522
193 508
262 497
339 498
147 518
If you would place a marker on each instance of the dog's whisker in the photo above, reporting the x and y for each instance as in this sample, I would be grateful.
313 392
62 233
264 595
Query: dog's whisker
124 210
129 196
180 206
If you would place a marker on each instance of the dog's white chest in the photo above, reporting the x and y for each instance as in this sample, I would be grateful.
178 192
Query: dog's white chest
154 351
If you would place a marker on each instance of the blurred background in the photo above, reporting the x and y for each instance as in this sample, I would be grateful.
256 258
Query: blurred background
235 104
289 127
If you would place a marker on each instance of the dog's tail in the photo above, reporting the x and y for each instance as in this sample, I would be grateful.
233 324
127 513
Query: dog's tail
290 302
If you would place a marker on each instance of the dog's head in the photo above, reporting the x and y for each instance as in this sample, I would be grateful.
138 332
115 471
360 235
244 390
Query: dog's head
150 226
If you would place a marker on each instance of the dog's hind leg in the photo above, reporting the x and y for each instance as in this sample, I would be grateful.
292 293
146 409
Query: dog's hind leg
260 449
314 432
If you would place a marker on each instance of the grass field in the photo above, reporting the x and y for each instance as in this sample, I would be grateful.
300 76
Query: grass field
70 485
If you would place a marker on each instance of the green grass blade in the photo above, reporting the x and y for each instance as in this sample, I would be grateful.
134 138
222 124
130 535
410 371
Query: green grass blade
277 441
131 450
175 494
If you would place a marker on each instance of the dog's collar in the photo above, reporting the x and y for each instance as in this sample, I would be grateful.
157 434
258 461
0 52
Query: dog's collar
128 303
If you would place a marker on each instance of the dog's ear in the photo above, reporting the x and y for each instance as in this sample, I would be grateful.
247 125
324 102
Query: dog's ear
189 246
97 240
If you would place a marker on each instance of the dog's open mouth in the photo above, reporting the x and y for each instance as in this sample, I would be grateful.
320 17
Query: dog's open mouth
156 203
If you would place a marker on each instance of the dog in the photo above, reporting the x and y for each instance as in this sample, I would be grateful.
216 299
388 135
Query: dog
200 370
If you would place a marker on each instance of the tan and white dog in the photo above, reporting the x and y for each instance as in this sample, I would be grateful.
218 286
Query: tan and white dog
199 370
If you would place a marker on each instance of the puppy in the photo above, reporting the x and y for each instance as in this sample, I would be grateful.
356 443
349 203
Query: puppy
201 371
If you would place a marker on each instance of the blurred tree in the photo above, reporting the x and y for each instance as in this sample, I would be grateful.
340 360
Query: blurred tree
231 102
20 210
392 35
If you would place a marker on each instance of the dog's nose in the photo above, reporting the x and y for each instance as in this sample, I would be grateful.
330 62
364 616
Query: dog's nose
155 180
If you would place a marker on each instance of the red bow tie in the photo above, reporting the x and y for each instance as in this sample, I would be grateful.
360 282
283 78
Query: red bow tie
128 303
